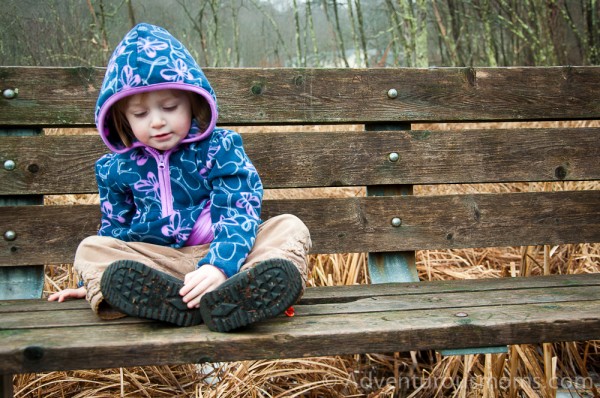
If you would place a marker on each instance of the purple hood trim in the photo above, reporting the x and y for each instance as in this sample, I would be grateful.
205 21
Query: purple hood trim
104 112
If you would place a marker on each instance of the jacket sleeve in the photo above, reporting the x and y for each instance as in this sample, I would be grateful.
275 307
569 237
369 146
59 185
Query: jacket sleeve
116 201
236 199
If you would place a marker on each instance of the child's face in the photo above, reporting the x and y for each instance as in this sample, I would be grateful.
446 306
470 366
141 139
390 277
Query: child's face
159 119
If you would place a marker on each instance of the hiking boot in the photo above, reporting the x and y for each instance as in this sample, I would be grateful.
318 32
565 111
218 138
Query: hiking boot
138 290
262 292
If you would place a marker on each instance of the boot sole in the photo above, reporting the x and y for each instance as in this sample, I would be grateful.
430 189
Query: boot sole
259 293
138 290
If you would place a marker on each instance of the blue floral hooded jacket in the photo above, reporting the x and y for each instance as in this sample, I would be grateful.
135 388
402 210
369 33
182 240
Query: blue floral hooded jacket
204 190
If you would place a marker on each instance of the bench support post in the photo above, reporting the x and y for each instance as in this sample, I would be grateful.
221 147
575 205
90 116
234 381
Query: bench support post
24 282
392 266
6 386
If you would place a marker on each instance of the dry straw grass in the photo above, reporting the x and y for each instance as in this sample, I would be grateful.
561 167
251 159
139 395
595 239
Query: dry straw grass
526 371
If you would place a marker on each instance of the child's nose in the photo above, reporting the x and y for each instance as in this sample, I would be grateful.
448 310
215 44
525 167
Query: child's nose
158 120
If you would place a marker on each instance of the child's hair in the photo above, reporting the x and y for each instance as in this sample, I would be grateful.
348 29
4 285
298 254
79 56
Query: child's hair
200 112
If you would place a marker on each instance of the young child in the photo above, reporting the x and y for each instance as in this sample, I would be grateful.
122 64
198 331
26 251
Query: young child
181 239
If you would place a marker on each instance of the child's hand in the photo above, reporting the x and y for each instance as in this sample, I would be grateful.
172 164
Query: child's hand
203 280
78 293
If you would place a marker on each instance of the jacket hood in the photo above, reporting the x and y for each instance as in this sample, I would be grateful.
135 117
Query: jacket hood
149 58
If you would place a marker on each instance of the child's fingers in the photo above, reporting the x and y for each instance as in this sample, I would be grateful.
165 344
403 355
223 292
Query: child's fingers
67 293
199 282
193 297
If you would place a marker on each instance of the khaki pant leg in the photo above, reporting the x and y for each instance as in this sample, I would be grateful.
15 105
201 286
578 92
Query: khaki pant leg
96 253
283 236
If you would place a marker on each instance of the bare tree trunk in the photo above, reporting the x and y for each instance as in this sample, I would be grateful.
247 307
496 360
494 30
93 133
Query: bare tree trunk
535 13
99 24
130 13
456 31
198 24
354 34
214 6
235 11
484 10
421 35
579 38
361 29
408 16
339 32
395 30
313 36
449 43
298 46
592 21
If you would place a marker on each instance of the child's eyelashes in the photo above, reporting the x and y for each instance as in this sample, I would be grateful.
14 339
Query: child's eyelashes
139 114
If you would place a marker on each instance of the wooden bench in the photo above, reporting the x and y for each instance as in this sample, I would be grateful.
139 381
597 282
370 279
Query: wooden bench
394 314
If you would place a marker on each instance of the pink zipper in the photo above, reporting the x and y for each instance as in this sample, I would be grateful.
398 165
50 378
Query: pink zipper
164 181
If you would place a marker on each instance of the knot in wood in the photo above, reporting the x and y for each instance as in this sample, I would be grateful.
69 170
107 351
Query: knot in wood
33 353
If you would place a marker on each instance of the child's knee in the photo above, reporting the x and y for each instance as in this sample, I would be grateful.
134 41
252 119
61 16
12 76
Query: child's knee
91 249
292 226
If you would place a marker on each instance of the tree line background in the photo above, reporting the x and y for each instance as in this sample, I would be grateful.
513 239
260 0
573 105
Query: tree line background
311 33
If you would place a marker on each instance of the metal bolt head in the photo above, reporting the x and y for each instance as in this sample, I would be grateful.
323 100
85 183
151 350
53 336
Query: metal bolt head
10 235
461 314
9 165
396 222
9 93
392 93
393 157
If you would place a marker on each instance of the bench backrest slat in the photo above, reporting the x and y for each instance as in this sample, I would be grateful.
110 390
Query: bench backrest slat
64 164
342 225
66 96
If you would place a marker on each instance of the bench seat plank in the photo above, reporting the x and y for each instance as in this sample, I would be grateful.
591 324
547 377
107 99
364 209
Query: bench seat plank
351 293
550 290
66 96
50 234
64 164
564 310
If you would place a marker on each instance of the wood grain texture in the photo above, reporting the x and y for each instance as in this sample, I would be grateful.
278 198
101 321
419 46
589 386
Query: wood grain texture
548 310
351 293
65 164
51 233
67 96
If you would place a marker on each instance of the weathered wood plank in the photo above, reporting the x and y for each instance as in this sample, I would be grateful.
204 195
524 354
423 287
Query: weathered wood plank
342 294
52 233
319 335
27 318
7 306
65 164
66 96
351 293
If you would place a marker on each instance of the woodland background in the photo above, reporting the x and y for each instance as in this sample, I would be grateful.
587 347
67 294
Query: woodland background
311 33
